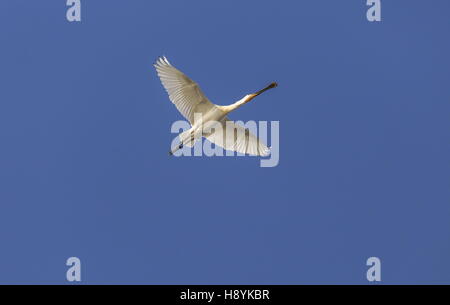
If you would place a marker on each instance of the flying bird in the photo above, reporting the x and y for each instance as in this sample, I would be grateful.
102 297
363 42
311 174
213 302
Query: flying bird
204 116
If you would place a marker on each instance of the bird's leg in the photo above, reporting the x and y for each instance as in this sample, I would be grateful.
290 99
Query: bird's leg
181 145
172 151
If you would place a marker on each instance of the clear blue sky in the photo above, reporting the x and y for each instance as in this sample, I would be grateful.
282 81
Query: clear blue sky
85 129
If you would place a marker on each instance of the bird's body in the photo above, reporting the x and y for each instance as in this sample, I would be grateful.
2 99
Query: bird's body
207 119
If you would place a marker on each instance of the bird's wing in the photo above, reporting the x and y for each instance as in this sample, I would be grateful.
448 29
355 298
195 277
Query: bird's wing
234 137
183 91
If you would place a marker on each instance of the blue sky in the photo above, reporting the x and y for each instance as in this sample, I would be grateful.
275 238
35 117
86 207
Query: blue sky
364 152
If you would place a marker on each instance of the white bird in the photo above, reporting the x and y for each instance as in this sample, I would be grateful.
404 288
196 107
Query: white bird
193 104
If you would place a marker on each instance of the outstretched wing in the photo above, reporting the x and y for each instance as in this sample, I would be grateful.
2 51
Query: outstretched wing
183 91
234 137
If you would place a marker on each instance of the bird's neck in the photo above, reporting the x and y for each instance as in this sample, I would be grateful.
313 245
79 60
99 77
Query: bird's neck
238 104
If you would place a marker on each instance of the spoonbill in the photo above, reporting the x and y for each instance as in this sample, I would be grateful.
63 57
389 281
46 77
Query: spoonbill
204 116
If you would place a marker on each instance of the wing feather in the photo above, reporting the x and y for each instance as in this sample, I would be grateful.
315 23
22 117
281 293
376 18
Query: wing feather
184 93
237 138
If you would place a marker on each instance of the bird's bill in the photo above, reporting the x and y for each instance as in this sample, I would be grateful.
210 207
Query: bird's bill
249 97
272 85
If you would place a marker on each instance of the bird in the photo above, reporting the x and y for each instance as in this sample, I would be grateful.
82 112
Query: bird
204 116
